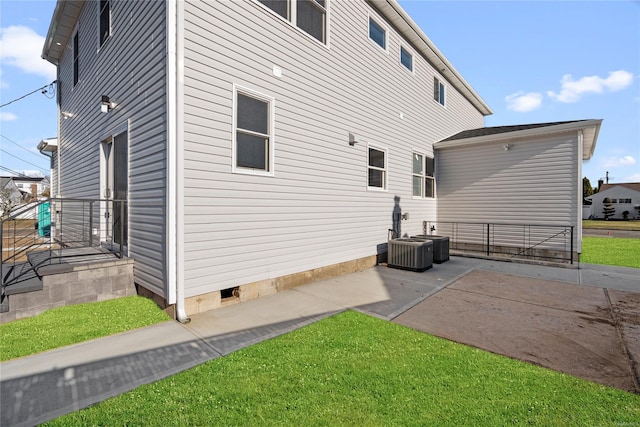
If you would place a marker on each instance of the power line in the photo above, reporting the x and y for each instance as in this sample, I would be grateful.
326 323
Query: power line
16 144
22 160
44 90
11 171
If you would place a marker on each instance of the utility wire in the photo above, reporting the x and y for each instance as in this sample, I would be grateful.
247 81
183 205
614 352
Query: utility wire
12 171
43 89
22 160
18 145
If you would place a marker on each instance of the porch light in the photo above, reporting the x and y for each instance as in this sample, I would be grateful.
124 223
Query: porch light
105 104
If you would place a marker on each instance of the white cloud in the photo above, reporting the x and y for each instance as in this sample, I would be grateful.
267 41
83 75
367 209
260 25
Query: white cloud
7 117
523 102
612 162
632 178
21 47
571 90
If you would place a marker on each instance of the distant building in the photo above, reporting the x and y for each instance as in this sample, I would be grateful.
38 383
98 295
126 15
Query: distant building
622 200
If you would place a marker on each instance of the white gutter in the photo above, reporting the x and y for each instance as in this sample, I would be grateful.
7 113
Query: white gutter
175 158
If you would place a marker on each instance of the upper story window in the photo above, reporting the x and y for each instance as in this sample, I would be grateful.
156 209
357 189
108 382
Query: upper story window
105 20
438 90
308 15
377 169
253 132
377 33
406 58
76 50
423 176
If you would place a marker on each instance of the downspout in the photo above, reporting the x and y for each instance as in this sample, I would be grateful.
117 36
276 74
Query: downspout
580 192
180 306
175 158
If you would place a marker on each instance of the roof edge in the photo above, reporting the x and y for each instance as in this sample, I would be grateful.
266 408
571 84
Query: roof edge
432 53
588 143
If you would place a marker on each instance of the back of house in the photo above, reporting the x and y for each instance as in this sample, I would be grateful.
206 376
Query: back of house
258 144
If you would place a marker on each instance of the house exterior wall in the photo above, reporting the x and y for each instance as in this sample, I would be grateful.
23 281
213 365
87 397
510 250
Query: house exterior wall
315 210
533 182
617 193
129 68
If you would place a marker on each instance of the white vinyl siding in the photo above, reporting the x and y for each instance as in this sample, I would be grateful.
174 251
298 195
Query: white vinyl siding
316 210
485 183
131 70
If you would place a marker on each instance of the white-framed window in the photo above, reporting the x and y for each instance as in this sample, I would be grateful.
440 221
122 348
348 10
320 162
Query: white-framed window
438 91
423 176
309 16
76 58
406 58
104 21
378 33
376 168
253 125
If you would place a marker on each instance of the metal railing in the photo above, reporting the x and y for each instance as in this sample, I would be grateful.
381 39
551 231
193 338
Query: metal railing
58 223
529 241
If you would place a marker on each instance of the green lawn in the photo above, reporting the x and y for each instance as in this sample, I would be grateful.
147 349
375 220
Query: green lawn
610 225
611 251
76 323
352 369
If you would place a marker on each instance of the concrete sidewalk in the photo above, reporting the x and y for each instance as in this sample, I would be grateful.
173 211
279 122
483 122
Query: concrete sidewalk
38 388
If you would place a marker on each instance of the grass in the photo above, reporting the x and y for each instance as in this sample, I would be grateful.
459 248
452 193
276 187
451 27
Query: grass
611 251
76 323
352 369
610 225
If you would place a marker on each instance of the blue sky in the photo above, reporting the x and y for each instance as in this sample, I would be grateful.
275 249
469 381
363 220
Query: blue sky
532 62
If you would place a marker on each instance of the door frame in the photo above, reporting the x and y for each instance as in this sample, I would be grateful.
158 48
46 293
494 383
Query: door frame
105 231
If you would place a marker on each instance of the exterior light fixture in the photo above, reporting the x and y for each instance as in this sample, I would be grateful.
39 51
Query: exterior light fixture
66 115
352 139
507 147
105 104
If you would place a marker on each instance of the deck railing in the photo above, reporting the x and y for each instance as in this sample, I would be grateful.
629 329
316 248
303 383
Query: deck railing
531 241
59 223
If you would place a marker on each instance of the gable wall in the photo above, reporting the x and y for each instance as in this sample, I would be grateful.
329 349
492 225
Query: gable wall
534 182
130 69
316 209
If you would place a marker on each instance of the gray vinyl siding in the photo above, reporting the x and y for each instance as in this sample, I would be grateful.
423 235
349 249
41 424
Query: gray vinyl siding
130 68
316 209
534 182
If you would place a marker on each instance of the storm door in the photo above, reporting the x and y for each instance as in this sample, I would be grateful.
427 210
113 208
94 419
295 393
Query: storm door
116 178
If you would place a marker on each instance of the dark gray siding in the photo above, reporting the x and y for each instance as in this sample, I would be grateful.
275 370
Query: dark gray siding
130 68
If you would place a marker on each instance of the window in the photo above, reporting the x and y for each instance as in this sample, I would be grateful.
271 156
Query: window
377 33
253 132
438 91
105 21
423 176
76 50
308 15
377 169
624 200
406 58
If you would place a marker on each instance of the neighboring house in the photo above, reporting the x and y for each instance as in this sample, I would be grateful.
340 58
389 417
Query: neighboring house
10 195
623 201
262 143
30 188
